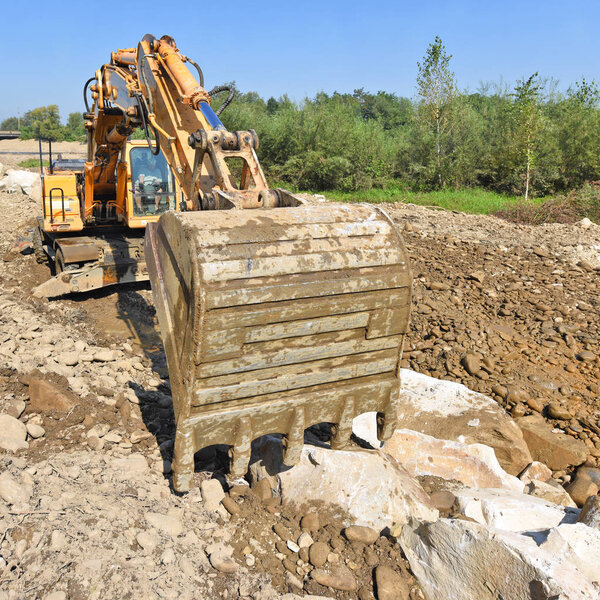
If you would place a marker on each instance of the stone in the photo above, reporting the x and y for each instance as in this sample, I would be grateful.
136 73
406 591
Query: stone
590 513
557 411
535 404
317 554
212 493
35 431
592 472
581 488
17 180
231 506
453 559
556 450
11 444
443 500
58 540
372 489
15 408
536 470
129 466
578 544
45 396
106 355
167 557
169 524
337 578
475 465
221 562
293 546
554 494
12 491
12 428
310 522
509 511
450 411
390 585
304 540
148 540
365 535
586 356
471 363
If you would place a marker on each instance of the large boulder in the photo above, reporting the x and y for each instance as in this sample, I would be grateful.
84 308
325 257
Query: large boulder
579 544
369 485
475 465
502 509
16 181
450 411
557 450
465 561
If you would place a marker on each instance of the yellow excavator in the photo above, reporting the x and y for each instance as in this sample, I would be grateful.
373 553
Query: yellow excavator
275 314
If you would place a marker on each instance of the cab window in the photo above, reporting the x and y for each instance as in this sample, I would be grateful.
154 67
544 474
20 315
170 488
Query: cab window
152 183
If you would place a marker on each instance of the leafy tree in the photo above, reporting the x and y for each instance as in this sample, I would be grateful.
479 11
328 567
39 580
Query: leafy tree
74 130
527 121
42 122
437 89
10 124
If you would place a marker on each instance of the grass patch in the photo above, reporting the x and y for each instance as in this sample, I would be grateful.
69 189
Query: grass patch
474 201
30 163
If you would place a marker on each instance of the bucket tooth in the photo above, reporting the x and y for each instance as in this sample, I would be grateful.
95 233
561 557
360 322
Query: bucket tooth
294 439
342 430
240 451
277 319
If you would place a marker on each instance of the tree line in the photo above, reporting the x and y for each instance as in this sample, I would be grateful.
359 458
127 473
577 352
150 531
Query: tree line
528 139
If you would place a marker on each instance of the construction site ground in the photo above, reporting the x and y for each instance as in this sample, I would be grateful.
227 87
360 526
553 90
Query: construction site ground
103 522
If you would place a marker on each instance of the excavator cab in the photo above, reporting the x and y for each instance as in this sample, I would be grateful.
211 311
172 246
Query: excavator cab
151 189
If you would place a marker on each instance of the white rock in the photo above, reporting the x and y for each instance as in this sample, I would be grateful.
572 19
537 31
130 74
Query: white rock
212 493
370 486
305 540
536 470
13 491
12 428
466 561
35 431
579 544
450 411
293 546
16 180
12 445
475 465
134 464
168 556
509 511
585 223
169 524
105 355
58 540
148 540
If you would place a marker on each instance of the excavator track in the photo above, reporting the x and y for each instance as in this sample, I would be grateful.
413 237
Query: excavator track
277 319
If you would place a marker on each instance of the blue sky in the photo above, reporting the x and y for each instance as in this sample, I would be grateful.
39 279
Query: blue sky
49 49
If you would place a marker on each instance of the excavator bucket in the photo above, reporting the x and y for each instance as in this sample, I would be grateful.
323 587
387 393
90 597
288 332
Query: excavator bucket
277 319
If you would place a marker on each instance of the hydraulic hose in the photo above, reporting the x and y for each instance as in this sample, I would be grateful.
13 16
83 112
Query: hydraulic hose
85 100
223 88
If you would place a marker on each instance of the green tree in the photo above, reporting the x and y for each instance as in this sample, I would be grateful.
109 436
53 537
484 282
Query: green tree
42 122
10 124
527 120
437 88
74 130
